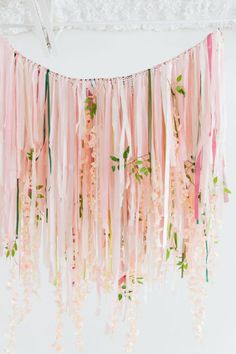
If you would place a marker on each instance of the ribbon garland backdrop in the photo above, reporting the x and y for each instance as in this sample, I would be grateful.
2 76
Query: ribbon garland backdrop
120 180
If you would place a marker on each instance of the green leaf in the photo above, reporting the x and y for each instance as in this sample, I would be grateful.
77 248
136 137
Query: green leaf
114 158
13 252
185 265
180 90
94 110
226 190
113 168
169 230
167 254
120 296
8 253
123 286
139 162
189 178
30 154
40 196
179 263
138 177
130 298
139 282
47 212
143 169
15 245
39 186
126 153
176 240
215 180
179 78
91 106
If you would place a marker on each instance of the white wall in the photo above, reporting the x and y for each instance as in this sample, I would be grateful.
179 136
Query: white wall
165 321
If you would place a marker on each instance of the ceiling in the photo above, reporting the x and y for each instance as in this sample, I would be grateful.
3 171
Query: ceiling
17 15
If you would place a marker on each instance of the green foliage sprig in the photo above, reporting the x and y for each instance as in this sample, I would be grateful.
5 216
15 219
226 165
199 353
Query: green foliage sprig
139 167
226 189
11 251
91 106
39 196
30 154
189 167
179 88
182 263
174 240
124 292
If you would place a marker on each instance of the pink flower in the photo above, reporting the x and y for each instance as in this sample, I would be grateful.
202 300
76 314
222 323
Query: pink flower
30 192
122 280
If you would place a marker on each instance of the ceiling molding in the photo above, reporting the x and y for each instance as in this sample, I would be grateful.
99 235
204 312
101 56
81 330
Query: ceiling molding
123 14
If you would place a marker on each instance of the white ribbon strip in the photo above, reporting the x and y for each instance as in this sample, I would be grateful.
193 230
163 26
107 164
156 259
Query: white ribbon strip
166 101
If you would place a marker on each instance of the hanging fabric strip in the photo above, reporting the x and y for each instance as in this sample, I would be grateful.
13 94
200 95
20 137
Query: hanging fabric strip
166 102
149 113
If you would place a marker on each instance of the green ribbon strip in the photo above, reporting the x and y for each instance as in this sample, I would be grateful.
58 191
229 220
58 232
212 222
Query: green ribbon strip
44 118
46 215
47 99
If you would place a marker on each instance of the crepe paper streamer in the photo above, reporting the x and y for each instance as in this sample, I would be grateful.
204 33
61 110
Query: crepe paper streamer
116 178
